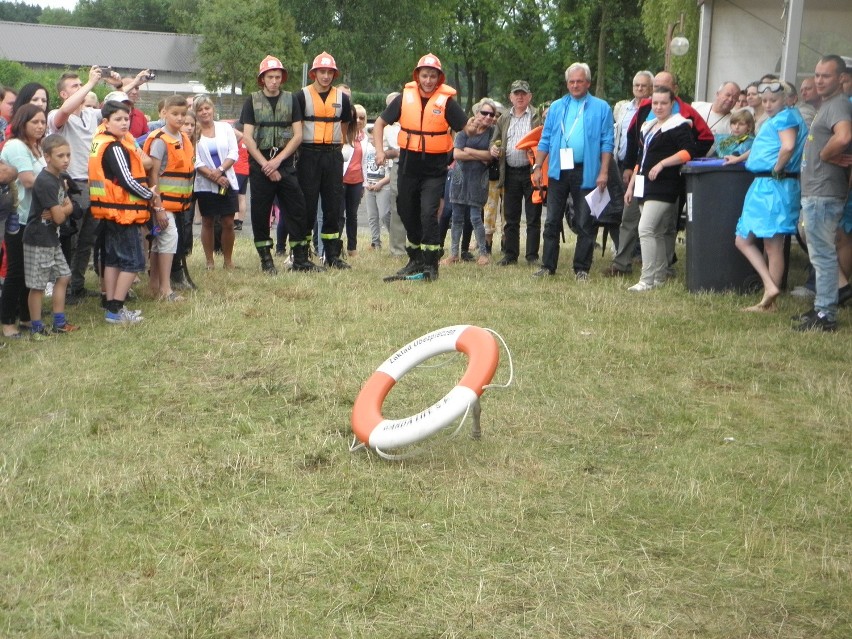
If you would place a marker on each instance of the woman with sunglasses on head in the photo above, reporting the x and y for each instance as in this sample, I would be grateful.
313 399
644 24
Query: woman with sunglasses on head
23 152
771 207
469 185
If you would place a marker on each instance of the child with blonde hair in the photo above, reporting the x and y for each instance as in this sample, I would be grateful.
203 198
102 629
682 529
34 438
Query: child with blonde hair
736 146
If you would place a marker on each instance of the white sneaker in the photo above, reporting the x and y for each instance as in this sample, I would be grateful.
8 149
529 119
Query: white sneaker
641 287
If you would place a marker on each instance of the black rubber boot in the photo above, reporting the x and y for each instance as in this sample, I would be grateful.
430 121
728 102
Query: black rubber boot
301 261
332 254
430 264
266 262
415 262
180 279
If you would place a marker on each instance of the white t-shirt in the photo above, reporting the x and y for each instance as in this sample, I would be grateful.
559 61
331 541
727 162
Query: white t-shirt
719 124
79 131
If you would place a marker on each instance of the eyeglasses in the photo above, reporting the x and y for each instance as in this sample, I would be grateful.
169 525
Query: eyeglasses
487 114
772 87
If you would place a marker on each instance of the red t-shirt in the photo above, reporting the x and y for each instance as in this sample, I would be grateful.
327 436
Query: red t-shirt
241 166
354 173
138 123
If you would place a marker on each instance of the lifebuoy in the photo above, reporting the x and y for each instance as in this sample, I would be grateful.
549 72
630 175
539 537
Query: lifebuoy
373 430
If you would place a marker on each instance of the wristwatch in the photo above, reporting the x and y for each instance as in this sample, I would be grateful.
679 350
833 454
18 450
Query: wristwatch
534 167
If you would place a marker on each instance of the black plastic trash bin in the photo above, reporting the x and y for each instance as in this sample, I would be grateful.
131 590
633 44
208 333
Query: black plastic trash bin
714 202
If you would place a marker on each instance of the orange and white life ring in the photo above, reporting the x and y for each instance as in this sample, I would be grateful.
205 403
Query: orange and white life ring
373 430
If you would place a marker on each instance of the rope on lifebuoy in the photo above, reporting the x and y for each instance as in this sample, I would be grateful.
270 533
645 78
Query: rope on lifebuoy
372 430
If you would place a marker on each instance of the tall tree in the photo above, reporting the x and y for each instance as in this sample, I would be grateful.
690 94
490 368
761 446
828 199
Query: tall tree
19 12
657 15
62 17
137 15
260 28
607 35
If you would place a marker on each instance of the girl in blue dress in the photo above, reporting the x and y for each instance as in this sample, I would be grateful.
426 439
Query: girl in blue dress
771 208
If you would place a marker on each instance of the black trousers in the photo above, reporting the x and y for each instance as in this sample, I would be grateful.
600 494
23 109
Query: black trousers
352 194
82 253
290 200
13 302
517 197
417 203
321 174
585 225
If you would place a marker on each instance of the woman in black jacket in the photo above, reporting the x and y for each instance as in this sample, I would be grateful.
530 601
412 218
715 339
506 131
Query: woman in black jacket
666 143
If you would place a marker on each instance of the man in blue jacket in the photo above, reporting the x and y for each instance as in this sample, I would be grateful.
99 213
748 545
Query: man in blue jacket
578 137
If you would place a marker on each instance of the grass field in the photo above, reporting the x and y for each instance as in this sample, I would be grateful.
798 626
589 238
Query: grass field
663 466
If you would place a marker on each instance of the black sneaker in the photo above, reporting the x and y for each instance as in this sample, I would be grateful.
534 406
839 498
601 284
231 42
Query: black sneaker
804 317
467 256
819 322
507 261
238 225
543 272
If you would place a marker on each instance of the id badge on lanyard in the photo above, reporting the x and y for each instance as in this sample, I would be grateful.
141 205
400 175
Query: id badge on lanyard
639 186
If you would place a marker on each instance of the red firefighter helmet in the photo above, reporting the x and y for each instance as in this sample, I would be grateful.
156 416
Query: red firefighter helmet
431 61
270 63
323 61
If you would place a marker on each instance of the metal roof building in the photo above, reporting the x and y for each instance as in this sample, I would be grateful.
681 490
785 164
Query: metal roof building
41 46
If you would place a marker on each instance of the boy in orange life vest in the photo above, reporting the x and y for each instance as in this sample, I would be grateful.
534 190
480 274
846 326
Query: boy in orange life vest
326 114
426 111
172 170
120 197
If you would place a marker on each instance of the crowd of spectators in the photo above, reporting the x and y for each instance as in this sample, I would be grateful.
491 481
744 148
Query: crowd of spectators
310 162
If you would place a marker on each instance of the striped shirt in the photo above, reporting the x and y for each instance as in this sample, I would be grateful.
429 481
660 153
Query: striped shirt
519 126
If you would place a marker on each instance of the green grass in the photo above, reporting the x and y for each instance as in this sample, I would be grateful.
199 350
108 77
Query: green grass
663 466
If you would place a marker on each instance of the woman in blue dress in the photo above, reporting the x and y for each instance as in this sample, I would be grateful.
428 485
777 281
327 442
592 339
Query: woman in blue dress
771 208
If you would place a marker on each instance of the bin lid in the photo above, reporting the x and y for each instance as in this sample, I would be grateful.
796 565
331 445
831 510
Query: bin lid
711 165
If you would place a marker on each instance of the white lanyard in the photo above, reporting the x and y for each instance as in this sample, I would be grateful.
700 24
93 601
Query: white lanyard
645 146
573 126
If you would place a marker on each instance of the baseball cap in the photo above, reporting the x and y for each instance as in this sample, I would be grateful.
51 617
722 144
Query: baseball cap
118 96
520 85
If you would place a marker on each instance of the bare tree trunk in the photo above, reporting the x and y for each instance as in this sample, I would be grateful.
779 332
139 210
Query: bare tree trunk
600 84
481 90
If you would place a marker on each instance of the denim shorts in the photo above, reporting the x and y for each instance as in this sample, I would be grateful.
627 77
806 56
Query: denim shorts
123 247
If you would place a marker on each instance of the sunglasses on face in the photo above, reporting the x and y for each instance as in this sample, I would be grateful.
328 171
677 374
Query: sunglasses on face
487 114
772 87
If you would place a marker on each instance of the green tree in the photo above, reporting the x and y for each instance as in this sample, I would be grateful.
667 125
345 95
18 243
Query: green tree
255 29
62 17
374 43
137 15
605 34
19 12
656 16
523 50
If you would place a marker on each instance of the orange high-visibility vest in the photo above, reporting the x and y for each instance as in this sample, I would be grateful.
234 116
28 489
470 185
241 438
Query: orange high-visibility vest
321 119
109 200
177 179
425 129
